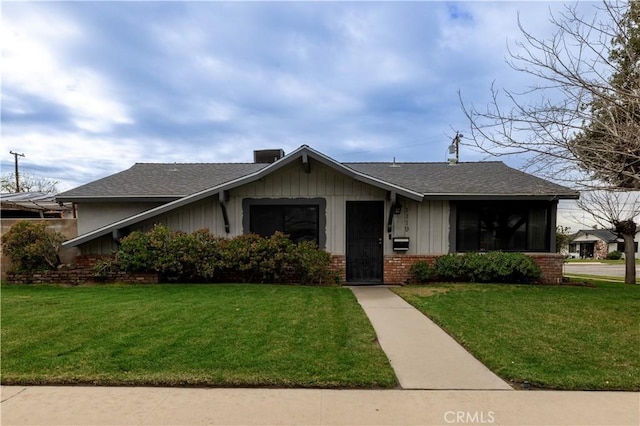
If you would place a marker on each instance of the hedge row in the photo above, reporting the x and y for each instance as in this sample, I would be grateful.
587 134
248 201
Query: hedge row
490 267
202 257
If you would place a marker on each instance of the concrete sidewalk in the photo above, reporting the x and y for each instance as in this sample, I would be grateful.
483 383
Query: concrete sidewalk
421 353
77 405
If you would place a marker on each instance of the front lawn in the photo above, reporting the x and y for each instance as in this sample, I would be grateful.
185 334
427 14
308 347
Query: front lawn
558 337
205 335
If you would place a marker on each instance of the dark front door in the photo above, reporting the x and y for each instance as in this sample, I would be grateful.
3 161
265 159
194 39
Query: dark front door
365 227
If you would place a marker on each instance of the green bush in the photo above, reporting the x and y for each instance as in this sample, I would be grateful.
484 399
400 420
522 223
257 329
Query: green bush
203 257
312 265
496 267
421 271
614 255
449 267
31 247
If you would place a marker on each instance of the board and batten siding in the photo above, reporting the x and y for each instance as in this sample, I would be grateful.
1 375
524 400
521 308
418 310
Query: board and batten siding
426 223
92 216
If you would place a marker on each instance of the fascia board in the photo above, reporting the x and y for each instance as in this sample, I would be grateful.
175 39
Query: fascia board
497 197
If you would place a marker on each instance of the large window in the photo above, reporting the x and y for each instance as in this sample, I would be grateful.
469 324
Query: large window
303 219
300 222
621 247
500 225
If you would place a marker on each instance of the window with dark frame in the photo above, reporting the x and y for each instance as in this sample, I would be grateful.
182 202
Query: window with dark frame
299 222
500 225
620 247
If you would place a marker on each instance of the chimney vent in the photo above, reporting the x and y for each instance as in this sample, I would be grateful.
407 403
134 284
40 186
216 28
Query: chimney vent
267 155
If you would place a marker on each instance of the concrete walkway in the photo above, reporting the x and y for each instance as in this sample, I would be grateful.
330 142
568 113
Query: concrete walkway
77 405
421 353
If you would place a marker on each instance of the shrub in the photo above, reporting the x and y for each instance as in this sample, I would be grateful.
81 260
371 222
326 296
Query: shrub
449 267
135 253
201 256
312 265
31 247
614 255
498 267
421 271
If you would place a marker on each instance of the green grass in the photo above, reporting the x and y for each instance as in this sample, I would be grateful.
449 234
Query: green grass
202 335
556 337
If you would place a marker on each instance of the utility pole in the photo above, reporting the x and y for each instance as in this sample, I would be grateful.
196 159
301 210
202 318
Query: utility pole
455 146
16 155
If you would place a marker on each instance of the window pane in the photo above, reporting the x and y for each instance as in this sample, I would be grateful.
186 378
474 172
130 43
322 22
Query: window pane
266 220
467 232
508 226
537 229
299 222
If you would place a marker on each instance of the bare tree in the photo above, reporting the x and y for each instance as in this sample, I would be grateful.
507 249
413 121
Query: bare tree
28 183
580 120
620 210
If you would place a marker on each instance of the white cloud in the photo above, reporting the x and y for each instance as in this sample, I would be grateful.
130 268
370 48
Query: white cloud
32 65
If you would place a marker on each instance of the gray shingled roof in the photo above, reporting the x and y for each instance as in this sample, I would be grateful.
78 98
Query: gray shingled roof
600 234
173 180
163 180
480 178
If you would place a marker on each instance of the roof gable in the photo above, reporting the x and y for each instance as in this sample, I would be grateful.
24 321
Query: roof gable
587 235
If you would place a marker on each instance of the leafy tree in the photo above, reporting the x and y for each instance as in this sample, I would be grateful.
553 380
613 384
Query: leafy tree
28 183
615 112
563 238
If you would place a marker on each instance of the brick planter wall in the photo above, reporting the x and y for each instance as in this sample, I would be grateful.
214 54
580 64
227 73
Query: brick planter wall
80 272
77 277
396 267
551 266
339 265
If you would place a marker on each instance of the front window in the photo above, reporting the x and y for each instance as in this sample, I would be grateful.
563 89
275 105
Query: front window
500 225
300 222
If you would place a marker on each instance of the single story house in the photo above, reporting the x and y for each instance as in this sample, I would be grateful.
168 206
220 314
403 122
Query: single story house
376 219
597 244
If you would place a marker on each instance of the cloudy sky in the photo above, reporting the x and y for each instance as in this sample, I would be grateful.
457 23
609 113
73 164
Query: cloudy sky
89 88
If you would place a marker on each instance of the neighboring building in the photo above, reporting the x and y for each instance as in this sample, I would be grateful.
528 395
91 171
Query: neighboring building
29 205
36 206
374 218
597 244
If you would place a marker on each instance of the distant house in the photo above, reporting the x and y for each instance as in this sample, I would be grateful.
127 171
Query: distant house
597 243
374 218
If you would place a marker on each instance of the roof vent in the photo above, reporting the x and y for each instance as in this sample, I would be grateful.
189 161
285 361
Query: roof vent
267 155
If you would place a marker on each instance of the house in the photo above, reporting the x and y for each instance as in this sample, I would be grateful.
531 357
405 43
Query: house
376 219
598 243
